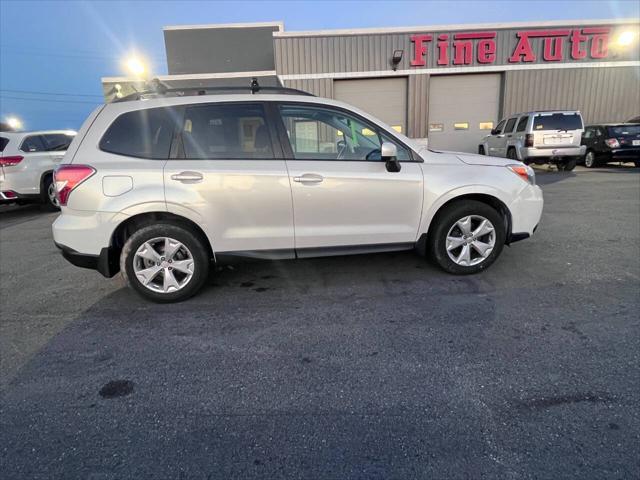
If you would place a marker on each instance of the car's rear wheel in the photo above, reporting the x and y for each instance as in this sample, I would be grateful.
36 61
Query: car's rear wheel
165 263
467 237
511 154
567 166
49 199
590 160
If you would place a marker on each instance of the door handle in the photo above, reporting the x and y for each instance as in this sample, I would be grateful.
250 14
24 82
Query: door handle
187 177
309 178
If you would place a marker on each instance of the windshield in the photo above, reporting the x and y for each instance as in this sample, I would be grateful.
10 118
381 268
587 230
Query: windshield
557 121
624 130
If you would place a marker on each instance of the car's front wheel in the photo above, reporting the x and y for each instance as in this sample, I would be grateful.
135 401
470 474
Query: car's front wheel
164 262
590 160
467 237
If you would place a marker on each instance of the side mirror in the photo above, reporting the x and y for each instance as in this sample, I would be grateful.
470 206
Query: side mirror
494 131
389 154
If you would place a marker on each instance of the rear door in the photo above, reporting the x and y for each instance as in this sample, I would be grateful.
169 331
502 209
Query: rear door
557 130
507 136
343 194
228 172
25 176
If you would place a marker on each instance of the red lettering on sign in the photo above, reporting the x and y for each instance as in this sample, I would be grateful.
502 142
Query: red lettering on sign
553 49
577 52
443 49
486 51
523 51
599 42
420 50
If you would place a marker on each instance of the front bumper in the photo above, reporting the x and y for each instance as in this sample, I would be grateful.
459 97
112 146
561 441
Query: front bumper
557 152
106 262
526 212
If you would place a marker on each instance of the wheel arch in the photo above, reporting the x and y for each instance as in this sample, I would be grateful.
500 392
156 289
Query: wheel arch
43 177
126 228
486 198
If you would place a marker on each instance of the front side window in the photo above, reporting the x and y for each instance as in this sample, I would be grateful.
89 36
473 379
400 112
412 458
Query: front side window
588 132
55 142
522 124
320 133
141 133
510 124
226 131
32 144
500 126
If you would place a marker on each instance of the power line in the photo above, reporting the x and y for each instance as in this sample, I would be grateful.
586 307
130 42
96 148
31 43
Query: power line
48 100
51 93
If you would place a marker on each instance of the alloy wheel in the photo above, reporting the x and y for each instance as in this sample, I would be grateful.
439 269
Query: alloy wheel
589 160
163 265
470 240
51 193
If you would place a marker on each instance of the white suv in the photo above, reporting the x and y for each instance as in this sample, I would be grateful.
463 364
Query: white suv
27 160
158 188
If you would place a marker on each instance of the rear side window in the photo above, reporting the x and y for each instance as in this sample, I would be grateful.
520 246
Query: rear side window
557 121
624 130
55 142
3 143
32 143
237 131
510 124
141 133
522 124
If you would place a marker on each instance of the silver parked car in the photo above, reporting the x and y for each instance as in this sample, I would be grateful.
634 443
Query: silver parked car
551 136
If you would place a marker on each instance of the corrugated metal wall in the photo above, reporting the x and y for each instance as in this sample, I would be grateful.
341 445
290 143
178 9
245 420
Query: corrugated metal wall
609 94
321 87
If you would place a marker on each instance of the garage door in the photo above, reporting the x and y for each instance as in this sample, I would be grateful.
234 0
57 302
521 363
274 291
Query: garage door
462 109
384 98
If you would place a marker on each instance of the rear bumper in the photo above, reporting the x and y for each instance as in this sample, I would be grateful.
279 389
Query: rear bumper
626 154
536 152
106 263
10 196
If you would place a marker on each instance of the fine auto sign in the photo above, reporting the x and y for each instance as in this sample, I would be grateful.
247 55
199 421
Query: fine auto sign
480 47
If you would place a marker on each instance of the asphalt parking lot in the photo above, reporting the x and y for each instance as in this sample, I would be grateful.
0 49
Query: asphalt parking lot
372 367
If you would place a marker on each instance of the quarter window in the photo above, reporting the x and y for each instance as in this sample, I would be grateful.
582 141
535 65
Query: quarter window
3 143
141 133
54 142
522 124
510 124
320 133
32 144
228 131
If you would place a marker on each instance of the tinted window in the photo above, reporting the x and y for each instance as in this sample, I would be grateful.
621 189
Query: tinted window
510 124
522 124
56 141
226 132
588 132
326 134
141 133
32 144
3 143
500 125
624 130
557 121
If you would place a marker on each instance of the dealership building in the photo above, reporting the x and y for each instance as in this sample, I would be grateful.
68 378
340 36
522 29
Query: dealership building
450 84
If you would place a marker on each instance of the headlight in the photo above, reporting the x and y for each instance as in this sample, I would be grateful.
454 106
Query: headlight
525 172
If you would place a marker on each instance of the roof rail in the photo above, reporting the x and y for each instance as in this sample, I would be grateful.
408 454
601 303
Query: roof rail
161 89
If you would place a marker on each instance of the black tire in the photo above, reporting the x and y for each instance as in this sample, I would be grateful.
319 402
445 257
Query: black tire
198 250
511 154
446 219
590 160
481 150
49 204
568 165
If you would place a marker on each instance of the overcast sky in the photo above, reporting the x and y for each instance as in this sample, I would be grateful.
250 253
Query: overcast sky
66 47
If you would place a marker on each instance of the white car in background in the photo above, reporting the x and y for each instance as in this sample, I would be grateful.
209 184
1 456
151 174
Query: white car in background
27 161
159 187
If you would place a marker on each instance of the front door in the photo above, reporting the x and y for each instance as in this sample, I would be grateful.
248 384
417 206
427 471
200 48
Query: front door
497 141
230 175
342 193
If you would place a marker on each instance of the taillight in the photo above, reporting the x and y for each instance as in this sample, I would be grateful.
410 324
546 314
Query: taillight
528 140
68 177
525 172
10 161
612 143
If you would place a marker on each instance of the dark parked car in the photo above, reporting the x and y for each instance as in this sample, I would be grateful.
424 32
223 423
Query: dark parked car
613 142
